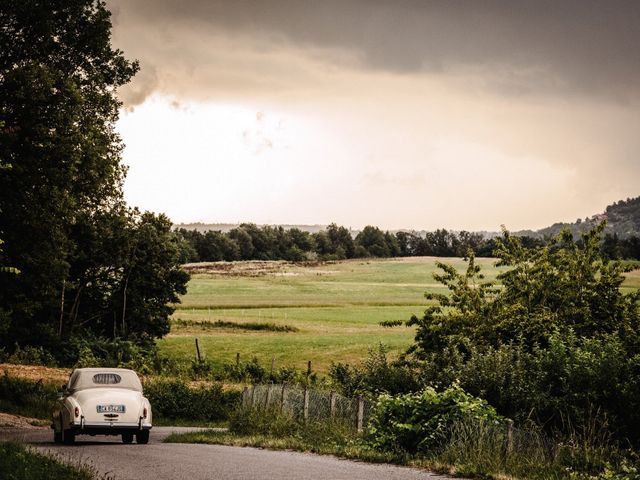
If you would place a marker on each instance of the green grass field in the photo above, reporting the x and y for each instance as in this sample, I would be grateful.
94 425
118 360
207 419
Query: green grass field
336 308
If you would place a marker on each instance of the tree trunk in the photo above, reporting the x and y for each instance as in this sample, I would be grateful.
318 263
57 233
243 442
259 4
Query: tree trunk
64 284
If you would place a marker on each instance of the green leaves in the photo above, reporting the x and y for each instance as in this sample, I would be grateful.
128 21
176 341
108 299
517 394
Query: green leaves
565 285
88 264
420 422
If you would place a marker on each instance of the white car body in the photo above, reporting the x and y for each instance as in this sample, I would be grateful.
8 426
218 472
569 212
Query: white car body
102 401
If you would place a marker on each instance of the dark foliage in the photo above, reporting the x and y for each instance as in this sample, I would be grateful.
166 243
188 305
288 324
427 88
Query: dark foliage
175 400
556 343
87 263
26 397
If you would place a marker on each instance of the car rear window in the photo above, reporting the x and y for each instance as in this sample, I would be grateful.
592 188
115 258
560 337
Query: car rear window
107 379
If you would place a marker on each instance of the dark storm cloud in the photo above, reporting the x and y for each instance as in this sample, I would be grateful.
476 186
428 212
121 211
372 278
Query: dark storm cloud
564 46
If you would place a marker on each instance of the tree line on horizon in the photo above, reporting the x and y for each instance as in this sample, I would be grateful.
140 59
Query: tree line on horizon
249 241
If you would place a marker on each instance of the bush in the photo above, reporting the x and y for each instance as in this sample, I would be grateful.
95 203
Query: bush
175 400
30 355
26 397
375 375
420 422
92 351
562 387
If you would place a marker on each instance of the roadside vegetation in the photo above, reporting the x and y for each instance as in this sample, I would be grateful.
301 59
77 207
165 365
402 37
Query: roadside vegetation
19 462
534 378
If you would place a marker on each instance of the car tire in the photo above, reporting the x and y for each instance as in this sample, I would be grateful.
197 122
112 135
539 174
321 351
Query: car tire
57 434
142 437
127 438
68 437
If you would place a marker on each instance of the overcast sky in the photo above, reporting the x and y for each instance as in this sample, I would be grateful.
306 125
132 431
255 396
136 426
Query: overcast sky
402 114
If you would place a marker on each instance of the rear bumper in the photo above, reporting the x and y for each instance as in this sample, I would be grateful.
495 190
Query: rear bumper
107 428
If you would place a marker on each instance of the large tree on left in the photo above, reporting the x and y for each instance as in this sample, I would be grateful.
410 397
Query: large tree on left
58 79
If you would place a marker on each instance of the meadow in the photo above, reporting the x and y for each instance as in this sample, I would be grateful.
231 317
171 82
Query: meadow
334 308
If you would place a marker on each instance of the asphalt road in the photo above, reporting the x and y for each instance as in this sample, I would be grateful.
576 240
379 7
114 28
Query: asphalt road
171 461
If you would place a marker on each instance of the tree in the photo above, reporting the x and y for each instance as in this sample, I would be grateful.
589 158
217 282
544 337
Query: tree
62 212
151 278
566 286
373 241
556 343
342 245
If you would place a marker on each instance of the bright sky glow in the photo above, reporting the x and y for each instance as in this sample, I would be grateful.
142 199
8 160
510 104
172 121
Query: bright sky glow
235 119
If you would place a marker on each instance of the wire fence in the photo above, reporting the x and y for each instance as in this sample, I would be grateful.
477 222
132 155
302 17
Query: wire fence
309 404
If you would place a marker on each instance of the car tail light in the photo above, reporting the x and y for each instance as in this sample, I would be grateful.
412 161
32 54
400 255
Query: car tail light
144 412
77 412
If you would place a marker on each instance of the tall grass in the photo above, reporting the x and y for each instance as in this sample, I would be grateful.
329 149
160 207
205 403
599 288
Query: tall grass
18 462
480 448
26 397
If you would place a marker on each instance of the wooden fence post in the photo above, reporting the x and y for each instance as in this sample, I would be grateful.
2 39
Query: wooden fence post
305 410
245 396
284 386
268 399
253 394
332 405
238 359
360 417
198 351
308 368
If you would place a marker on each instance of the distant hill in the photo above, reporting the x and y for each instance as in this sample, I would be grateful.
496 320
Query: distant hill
623 219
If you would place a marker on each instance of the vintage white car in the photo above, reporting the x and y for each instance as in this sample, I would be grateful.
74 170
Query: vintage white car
102 401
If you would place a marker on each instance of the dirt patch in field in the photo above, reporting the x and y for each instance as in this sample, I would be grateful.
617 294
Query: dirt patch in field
17 421
36 372
251 268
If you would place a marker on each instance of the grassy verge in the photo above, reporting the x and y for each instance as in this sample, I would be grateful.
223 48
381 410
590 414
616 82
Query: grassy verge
26 397
18 462
344 446
470 449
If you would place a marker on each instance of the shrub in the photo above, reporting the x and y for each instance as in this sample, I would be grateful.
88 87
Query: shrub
174 399
91 351
30 355
561 386
419 422
376 375
26 397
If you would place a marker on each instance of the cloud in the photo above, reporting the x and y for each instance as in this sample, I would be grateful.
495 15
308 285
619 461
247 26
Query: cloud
415 113
517 47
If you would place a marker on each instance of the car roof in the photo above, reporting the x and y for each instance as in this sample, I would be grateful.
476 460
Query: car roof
85 378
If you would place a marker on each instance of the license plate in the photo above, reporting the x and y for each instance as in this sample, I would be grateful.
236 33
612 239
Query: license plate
110 408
